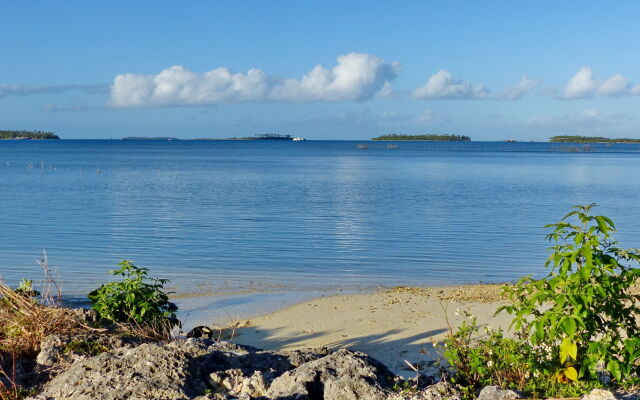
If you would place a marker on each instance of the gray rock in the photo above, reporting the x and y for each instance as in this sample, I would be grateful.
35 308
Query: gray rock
235 383
57 349
599 394
149 371
439 391
51 350
239 369
496 393
343 375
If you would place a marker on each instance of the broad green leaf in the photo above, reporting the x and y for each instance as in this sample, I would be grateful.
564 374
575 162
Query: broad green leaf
568 348
571 373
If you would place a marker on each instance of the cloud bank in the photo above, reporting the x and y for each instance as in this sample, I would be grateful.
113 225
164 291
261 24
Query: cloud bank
442 85
356 77
584 84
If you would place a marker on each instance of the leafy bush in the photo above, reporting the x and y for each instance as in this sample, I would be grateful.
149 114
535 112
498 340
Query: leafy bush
136 298
576 328
582 312
492 360
475 362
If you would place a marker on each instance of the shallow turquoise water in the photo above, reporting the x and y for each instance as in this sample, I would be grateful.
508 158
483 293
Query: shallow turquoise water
229 216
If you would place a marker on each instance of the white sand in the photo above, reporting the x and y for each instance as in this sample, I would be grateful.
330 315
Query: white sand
389 326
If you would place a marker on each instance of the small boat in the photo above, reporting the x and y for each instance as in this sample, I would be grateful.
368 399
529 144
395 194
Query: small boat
298 138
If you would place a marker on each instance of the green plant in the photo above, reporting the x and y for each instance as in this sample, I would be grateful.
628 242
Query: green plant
475 360
136 298
580 319
25 288
89 348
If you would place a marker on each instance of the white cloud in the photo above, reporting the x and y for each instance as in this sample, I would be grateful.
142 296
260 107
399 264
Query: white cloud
581 85
442 85
521 89
356 77
615 86
584 84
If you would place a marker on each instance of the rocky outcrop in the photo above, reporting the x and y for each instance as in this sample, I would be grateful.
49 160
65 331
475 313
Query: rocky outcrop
204 369
496 393
64 349
599 394
149 371
342 375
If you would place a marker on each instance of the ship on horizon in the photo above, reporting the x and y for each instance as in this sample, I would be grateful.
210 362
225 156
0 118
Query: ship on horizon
276 136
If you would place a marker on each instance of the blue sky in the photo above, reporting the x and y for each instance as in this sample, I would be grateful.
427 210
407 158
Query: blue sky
323 70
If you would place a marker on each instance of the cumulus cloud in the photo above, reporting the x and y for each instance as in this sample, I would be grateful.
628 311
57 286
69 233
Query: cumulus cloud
581 85
615 86
356 77
521 89
26 90
442 85
584 84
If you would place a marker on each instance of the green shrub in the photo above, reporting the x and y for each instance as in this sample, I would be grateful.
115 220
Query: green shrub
575 329
136 298
582 314
476 361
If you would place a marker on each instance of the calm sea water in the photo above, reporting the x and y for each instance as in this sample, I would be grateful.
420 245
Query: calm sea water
234 216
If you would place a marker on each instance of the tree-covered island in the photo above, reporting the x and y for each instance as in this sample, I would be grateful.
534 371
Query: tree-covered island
27 135
589 139
431 138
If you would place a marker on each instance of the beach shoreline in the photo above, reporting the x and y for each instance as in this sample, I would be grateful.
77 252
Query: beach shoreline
392 324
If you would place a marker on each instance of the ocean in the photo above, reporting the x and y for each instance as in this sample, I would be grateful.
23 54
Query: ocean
234 217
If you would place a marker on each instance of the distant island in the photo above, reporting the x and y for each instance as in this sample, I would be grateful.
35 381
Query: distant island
589 139
264 136
27 135
432 138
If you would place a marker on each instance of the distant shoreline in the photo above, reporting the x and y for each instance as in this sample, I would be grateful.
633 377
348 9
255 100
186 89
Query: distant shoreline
27 135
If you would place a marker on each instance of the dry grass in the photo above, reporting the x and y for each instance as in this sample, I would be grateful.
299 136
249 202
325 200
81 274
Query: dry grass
26 321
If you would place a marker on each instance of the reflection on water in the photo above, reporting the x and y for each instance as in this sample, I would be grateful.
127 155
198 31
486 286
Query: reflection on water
217 216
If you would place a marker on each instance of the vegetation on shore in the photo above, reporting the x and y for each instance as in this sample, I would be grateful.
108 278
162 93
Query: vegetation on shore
135 307
590 139
431 138
136 298
27 135
575 330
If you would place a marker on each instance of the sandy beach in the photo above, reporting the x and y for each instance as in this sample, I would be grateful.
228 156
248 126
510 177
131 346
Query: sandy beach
391 325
